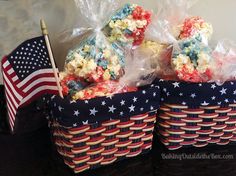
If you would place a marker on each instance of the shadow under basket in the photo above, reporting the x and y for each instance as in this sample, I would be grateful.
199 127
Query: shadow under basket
196 114
89 141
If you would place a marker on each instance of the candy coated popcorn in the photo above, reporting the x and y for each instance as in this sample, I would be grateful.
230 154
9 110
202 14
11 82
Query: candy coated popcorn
71 84
95 66
191 61
196 26
128 25
95 60
102 89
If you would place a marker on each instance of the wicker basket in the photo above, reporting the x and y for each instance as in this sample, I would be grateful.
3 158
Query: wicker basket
196 114
89 145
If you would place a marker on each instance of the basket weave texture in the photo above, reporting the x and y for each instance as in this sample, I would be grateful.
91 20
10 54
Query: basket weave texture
196 114
96 132
178 126
91 146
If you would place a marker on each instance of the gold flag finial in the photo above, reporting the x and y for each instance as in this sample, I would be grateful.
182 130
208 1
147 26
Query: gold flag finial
43 27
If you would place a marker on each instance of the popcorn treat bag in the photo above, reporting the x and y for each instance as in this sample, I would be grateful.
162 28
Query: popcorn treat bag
94 59
191 57
163 32
100 57
172 33
224 62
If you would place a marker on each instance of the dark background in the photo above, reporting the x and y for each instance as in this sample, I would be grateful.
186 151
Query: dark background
30 152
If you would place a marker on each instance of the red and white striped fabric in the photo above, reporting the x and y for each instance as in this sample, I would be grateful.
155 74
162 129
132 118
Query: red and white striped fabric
27 74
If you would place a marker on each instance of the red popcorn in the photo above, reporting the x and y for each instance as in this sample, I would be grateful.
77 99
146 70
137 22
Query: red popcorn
64 81
71 84
65 89
195 25
147 16
100 89
138 36
194 76
140 14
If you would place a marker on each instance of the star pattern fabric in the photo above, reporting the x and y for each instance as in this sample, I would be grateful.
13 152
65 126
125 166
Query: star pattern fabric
197 94
76 113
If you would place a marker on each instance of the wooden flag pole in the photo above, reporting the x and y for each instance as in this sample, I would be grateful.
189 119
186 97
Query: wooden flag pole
45 33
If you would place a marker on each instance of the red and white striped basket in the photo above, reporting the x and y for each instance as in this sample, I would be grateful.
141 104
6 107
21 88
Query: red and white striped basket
89 145
190 116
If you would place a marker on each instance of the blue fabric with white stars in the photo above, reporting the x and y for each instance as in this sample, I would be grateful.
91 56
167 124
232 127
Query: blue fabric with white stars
76 113
197 94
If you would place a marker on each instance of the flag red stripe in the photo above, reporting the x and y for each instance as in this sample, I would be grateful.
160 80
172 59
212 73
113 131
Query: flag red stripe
39 94
4 61
10 110
15 102
11 103
10 83
11 125
11 114
17 80
38 72
11 91
12 106
41 84
39 89
44 75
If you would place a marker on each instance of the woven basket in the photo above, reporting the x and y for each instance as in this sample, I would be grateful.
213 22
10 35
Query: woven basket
91 145
196 114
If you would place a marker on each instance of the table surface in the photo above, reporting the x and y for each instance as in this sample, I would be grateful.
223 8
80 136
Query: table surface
33 154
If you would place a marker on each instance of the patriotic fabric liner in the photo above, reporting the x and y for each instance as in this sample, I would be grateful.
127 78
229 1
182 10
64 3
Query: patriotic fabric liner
77 113
27 74
197 94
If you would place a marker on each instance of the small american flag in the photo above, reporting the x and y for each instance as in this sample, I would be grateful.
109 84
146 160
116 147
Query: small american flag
27 74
